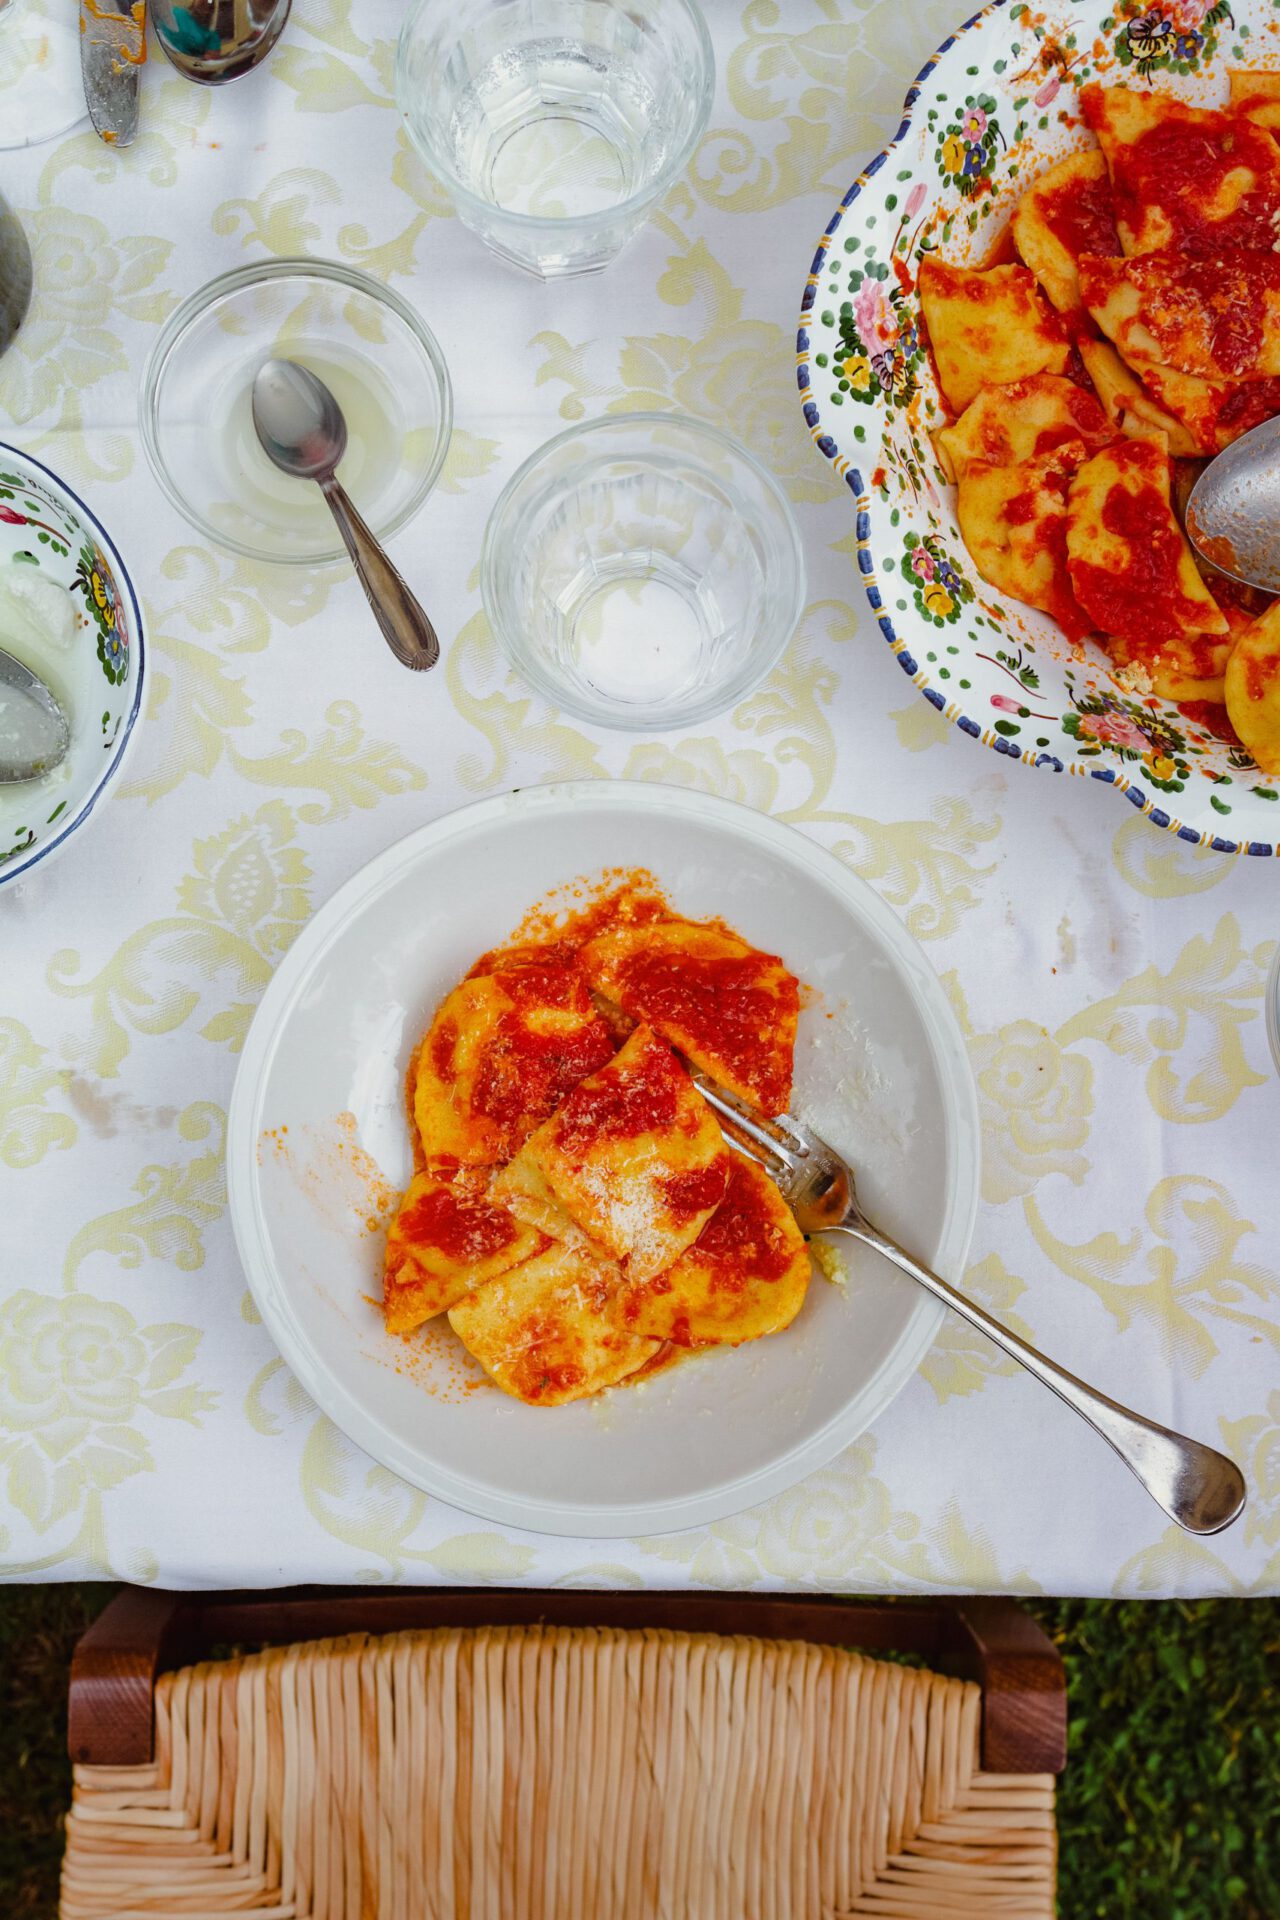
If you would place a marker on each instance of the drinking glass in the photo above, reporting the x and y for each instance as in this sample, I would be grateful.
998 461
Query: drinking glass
555 124
643 571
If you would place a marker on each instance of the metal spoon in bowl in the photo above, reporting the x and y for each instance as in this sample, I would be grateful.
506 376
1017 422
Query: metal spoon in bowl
1233 513
301 427
35 733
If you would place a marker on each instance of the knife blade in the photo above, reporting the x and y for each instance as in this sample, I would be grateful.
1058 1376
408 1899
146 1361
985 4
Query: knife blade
113 49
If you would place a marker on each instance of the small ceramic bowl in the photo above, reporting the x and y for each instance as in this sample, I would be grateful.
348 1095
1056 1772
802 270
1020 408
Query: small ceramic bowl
100 673
365 342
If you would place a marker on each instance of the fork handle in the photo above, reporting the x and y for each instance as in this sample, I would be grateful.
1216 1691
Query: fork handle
1196 1485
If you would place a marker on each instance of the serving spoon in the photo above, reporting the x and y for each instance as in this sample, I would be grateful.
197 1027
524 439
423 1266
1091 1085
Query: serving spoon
1233 512
303 431
35 733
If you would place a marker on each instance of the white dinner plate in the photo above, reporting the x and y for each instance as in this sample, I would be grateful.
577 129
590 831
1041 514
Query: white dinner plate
318 1113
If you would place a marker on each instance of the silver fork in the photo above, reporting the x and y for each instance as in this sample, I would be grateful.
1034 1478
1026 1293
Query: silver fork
1197 1486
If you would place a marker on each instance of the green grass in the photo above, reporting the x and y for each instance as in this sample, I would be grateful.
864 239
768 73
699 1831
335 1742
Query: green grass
1169 1809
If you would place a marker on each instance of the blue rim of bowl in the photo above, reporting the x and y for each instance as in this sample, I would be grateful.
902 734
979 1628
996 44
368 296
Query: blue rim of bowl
852 477
14 869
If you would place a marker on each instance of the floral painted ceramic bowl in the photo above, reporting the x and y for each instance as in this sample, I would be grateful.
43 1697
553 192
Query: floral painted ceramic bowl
98 673
995 106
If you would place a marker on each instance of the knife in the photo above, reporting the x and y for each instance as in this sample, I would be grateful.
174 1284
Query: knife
113 48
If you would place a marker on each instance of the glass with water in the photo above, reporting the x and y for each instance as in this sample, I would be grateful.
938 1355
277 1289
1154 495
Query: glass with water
555 125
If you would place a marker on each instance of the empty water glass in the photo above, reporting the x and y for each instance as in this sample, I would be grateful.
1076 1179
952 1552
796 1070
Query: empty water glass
555 125
643 571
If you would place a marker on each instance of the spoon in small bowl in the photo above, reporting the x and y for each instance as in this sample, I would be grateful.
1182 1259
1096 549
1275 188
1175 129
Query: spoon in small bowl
35 733
302 429
1233 512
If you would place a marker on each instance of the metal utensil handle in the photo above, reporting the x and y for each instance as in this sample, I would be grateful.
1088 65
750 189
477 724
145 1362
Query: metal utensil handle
1198 1487
405 627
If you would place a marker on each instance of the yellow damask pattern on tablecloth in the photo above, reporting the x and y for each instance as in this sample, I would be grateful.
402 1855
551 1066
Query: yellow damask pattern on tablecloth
1108 978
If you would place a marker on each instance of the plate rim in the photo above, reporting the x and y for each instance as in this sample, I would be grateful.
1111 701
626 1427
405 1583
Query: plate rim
849 471
361 1425
127 739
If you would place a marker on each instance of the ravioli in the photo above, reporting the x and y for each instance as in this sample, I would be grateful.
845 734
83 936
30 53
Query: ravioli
730 1008
1255 92
1014 523
1252 689
634 1160
1129 405
745 1275
1130 565
1217 318
988 328
1004 426
1193 178
447 1239
500 1055
1178 666
1068 211
548 1330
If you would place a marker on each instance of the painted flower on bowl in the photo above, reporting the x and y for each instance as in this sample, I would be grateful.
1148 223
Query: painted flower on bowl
941 589
881 338
1177 35
1113 729
973 125
967 150
94 579
876 321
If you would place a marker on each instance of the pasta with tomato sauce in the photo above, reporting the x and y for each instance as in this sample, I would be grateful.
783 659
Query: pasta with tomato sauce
1134 334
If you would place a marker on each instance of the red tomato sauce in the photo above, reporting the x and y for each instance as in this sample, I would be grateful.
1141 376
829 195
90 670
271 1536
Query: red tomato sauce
1212 716
696 1190
742 1241
722 1008
523 1074
1181 166
623 1102
1145 595
1082 216
464 1227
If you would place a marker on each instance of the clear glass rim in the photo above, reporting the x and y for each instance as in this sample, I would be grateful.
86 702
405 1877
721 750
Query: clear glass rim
293 267
529 665
635 203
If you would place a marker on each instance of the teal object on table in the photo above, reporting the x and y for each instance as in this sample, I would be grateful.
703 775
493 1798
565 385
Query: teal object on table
187 35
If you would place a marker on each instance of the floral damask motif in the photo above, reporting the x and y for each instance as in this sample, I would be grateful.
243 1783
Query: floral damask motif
721 368
76 1376
1181 1275
198 704
1035 1102
1160 866
363 1505
962 1360
29 1126
1185 1025
238 910
1255 1443
86 283
834 1532
175 1204
928 868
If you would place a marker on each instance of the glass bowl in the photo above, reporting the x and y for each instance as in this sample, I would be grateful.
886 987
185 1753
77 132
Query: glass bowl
364 341
643 571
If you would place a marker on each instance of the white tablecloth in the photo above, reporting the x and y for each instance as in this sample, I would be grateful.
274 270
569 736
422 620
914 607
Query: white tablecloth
1108 978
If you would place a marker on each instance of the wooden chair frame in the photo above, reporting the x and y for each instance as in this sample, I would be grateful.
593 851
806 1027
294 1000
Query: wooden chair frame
146 1631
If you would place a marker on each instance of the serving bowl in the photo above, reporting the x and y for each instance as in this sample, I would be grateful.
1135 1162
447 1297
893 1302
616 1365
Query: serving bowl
318 1144
992 108
99 676
369 346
